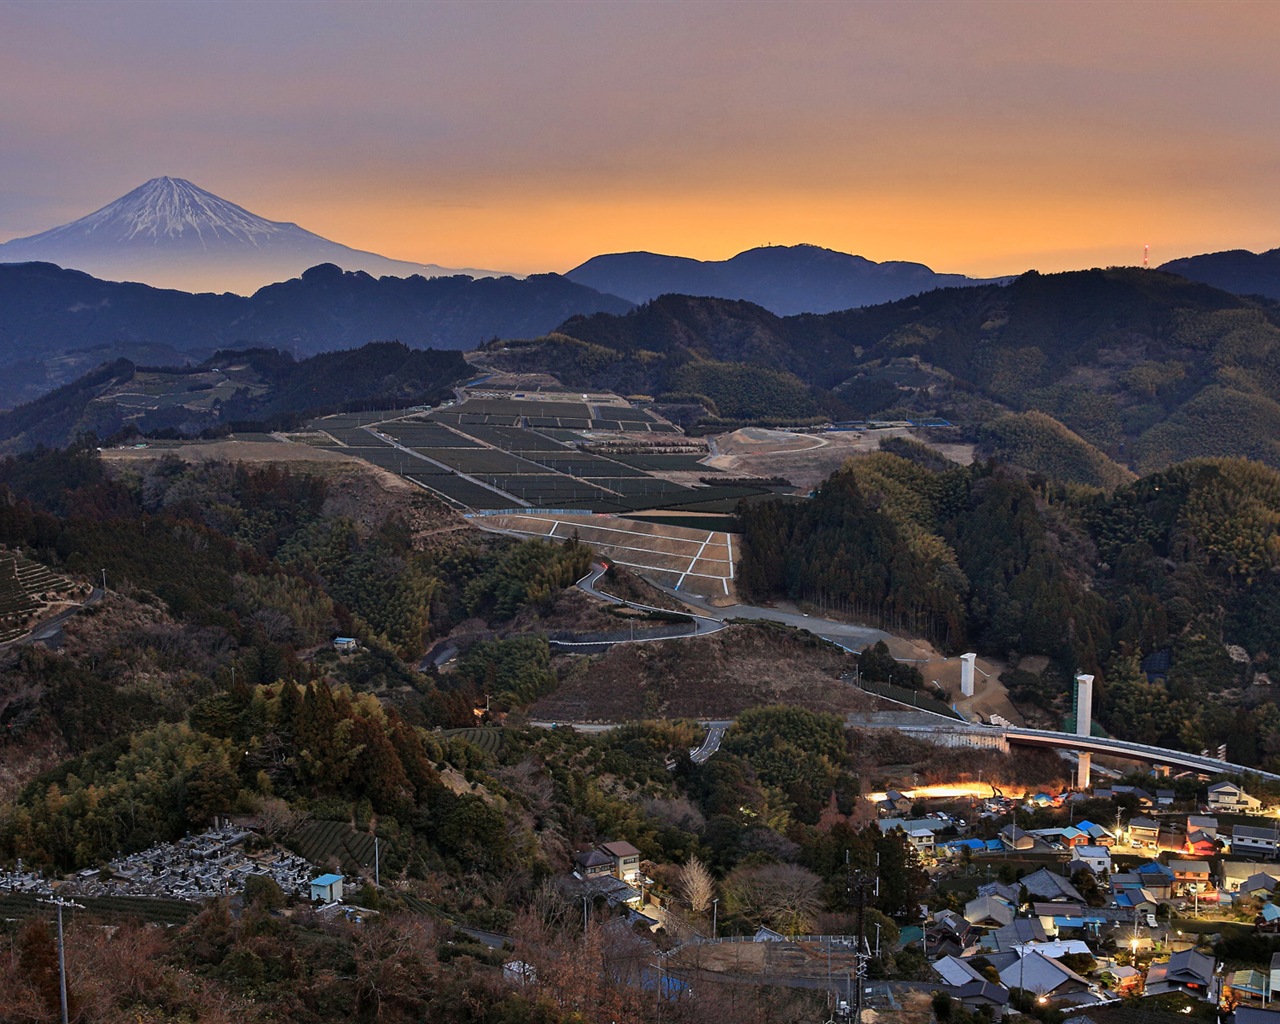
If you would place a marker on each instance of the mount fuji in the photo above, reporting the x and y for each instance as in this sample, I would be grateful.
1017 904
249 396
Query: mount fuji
170 233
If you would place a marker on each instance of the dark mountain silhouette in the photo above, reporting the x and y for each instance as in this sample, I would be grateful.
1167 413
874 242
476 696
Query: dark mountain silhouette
1237 270
48 312
784 279
173 234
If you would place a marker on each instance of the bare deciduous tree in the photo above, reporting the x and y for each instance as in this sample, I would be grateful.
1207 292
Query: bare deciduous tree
681 813
277 819
786 896
696 885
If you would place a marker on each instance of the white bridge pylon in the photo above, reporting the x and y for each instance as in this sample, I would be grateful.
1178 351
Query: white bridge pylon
966 674
1084 727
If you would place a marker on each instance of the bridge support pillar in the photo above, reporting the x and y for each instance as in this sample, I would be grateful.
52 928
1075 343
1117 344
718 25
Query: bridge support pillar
1084 726
1084 705
966 674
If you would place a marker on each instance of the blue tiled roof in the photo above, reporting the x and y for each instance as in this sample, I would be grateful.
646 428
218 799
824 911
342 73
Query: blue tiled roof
961 844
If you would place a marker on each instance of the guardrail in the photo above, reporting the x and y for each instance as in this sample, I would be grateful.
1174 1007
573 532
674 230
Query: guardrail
850 941
481 513
911 698
1137 751
691 630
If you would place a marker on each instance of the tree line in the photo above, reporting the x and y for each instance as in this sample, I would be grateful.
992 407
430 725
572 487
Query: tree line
1010 563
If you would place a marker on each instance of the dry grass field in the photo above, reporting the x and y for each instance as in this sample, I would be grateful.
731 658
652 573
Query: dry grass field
708 677
699 561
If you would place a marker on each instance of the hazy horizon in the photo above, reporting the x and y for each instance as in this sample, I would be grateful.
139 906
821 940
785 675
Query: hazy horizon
978 138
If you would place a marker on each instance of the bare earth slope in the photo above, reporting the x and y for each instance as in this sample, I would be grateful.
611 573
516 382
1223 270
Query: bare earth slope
716 676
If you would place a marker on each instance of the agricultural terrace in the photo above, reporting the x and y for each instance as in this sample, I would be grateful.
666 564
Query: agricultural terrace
185 388
27 589
334 844
491 453
684 557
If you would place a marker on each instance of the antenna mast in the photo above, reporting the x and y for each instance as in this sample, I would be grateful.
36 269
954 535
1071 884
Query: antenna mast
1146 252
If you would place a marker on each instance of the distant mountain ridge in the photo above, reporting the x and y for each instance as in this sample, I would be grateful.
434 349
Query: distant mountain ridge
784 279
1146 367
48 312
1235 270
171 233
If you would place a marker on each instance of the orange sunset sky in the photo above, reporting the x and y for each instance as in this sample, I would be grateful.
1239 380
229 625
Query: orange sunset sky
980 138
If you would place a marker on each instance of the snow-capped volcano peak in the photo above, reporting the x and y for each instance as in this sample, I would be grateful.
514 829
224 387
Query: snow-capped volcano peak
172 210
172 233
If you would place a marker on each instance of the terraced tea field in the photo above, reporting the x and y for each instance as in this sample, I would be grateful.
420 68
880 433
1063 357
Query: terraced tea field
322 841
22 905
493 452
488 740
26 589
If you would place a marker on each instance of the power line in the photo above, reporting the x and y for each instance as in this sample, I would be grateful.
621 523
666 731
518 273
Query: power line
59 902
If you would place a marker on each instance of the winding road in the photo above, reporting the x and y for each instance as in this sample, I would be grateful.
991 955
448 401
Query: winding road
842 634
703 624
711 618
50 631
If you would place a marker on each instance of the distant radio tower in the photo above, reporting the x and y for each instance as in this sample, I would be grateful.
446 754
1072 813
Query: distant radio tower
1146 252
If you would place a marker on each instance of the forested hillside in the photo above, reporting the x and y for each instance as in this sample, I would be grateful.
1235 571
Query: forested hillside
50 312
1146 367
1044 446
1236 270
205 683
256 387
1184 561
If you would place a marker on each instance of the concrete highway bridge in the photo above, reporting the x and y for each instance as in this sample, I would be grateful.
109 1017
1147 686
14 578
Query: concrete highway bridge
1133 751
949 732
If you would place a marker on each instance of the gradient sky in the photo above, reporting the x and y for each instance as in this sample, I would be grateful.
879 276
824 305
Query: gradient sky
980 138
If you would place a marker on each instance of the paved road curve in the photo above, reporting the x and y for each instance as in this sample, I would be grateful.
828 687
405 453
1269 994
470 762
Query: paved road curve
842 634
703 624
50 631
715 733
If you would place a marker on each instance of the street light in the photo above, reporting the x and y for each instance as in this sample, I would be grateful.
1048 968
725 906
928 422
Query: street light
715 908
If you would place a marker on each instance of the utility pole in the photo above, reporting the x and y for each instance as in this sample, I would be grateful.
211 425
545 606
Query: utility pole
377 876
715 908
104 582
59 902
857 884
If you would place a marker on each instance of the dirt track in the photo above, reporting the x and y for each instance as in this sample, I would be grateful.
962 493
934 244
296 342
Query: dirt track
807 459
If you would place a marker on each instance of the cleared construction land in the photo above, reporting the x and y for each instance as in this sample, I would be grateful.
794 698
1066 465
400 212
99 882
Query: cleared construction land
700 561
806 459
